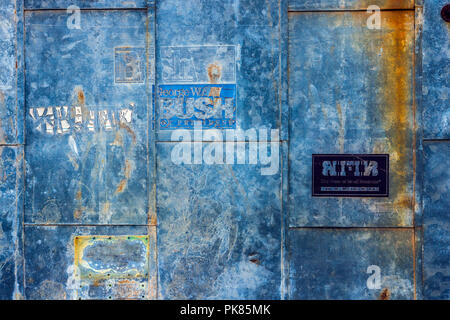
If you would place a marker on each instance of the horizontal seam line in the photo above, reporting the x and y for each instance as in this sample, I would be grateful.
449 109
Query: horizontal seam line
344 10
81 9
360 228
86 225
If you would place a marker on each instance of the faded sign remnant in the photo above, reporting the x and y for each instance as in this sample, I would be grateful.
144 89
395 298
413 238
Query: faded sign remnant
129 65
63 119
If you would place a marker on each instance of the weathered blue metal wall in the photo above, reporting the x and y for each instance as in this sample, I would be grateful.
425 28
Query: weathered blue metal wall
96 203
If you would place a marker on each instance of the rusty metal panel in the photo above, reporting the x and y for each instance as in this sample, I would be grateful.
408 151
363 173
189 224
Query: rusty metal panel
219 230
305 5
68 262
351 91
235 63
436 221
89 152
85 4
351 263
11 75
436 72
11 204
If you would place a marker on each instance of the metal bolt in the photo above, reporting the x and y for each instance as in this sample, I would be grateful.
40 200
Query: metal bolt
445 13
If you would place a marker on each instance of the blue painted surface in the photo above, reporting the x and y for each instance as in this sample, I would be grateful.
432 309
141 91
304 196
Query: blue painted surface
436 221
330 84
219 231
348 4
11 76
436 79
333 263
11 184
88 123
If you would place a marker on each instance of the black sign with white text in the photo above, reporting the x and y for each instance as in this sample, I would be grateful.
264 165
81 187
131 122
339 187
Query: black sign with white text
350 175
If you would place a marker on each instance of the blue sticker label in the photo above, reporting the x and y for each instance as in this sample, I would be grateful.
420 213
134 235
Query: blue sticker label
182 105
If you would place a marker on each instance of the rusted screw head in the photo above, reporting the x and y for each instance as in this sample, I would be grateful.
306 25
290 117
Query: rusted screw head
445 13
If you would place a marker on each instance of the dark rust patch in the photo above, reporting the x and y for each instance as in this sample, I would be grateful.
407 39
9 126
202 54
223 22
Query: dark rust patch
445 13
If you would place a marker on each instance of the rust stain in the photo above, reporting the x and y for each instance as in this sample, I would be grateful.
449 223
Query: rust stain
78 195
127 172
128 169
81 98
122 185
341 128
214 72
153 220
129 130
385 294
396 106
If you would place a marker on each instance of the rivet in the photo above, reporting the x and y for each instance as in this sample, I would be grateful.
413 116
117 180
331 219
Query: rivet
445 13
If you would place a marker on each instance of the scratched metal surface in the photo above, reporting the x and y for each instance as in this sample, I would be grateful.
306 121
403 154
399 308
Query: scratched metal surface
436 72
351 91
249 31
11 75
123 269
436 221
91 217
313 5
88 149
11 185
332 263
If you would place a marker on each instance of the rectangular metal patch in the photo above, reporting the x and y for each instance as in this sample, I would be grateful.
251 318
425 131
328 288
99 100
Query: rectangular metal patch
350 175
115 267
